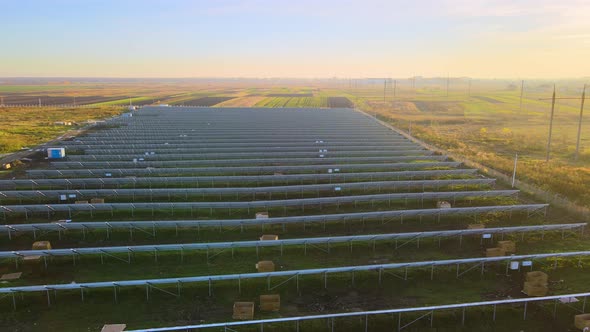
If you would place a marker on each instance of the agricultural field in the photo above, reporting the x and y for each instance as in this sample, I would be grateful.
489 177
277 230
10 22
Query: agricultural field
290 95
247 101
127 101
206 101
63 93
18 99
108 93
293 102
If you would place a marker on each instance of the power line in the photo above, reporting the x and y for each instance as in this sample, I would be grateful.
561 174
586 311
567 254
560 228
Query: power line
580 123
553 98
521 94
551 125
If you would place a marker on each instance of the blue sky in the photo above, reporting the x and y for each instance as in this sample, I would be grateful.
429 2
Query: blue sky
295 38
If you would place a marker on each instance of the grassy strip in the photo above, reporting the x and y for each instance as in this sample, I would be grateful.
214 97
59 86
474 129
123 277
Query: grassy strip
20 127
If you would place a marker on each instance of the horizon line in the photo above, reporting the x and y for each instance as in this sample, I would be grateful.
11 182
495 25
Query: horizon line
296 78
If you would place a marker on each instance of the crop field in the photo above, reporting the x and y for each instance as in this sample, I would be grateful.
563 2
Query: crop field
109 93
126 101
61 93
206 101
179 99
290 95
247 101
19 99
293 102
342 193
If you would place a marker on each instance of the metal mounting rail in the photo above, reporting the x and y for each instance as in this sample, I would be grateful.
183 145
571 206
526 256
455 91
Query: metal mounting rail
266 275
160 150
374 215
214 144
249 190
109 181
365 314
237 169
302 202
291 242
221 162
268 140
234 155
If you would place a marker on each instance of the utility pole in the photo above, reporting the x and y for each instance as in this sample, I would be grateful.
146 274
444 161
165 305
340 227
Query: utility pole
2 101
514 172
551 125
521 94
39 102
580 123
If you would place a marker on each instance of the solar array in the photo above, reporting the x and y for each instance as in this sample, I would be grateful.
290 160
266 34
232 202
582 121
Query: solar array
293 169
292 273
199 181
53 194
353 239
307 219
216 168
365 315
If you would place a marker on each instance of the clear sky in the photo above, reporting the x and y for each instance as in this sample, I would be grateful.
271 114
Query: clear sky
241 38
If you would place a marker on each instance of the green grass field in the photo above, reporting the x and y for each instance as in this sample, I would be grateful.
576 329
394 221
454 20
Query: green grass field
27 127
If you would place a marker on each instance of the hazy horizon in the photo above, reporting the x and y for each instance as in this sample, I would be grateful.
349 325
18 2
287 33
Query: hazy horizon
293 78
304 39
